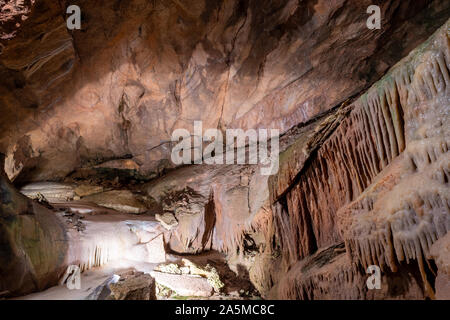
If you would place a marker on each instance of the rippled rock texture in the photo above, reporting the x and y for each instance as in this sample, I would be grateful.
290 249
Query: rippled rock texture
380 181
137 70
364 161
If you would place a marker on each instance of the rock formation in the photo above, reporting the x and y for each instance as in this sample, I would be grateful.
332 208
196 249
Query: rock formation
363 178
141 69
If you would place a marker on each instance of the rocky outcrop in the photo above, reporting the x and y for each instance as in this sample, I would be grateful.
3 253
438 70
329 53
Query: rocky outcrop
127 285
133 286
364 167
119 200
380 181
214 206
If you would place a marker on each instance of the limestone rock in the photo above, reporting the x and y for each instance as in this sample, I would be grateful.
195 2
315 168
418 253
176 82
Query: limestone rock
329 274
156 251
167 220
210 204
189 268
184 285
208 272
378 178
171 268
133 286
192 211
103 291
441 254
34 246
360 172
223 62
404 209
120 200
84 190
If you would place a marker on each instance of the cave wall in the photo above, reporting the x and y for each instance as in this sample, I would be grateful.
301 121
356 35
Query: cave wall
360 182
33 242
379 183
137 70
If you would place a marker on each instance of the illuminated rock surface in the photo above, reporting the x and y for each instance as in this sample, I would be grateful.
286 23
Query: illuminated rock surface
87 118
138 70
184 285
380 181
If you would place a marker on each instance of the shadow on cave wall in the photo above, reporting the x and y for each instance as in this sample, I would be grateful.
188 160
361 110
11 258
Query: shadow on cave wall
167 34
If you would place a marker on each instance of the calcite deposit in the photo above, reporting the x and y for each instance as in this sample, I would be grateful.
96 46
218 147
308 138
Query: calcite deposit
380 181
140 69
88 184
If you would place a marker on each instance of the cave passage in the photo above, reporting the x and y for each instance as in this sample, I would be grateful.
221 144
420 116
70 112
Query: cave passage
224 150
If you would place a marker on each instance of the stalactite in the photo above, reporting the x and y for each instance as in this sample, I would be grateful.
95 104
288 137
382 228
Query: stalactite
407 209
380 182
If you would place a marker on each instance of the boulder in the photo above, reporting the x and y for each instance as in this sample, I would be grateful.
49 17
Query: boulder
126 285
133 285
103 291
120 200
184 285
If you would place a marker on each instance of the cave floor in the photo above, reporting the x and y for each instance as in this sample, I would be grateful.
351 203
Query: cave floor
237 287
106 242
